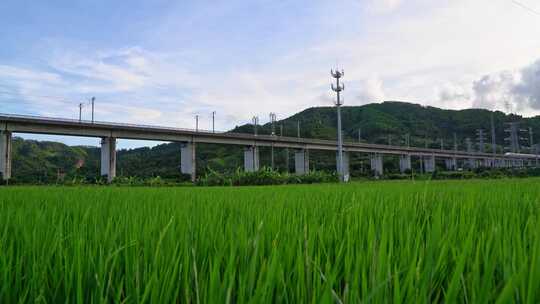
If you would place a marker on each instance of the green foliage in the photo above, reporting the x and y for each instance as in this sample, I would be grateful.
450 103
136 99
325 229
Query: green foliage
467 241
480 173
265 176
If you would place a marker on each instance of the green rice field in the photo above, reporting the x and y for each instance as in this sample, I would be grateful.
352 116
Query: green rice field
474 241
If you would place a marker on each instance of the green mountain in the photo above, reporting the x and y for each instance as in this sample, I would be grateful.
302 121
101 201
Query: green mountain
35 161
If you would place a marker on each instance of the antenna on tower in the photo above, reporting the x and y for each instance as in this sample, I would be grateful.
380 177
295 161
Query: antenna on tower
338 88
507 105
255 121
493 141
273 122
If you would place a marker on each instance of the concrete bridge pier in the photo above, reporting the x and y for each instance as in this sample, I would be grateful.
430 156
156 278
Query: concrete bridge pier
188 162
471 163
404 163
483 163
251 159
301 162
429 164
376 161
108 158
5 155
451 164
346 172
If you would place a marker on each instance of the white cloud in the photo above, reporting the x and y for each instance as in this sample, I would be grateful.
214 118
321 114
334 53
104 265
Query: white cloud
527 90
451 94
12 73
383 6
371 90
514 90
494 91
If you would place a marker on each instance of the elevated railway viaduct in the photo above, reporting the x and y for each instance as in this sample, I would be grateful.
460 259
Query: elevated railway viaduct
110 132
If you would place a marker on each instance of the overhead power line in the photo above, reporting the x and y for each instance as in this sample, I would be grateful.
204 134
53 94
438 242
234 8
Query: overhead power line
526 7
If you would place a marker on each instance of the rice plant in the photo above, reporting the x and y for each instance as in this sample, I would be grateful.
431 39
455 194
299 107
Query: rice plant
453 241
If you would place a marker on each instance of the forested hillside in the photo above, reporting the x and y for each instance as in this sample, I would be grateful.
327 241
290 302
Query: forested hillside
379 123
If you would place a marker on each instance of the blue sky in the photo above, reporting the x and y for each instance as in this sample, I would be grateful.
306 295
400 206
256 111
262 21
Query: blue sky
162 62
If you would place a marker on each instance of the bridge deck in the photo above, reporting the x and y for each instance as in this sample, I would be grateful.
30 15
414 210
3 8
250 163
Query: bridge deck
61 126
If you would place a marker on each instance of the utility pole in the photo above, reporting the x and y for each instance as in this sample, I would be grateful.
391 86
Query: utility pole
255 121
273 125
80 111
493 142
298 128
508 106
442 144
338 102
286 149
480 135
92 101
513 138
468 142
469 145
455 152
359 134
273 122
532 149
213 121
422 164
197 123
531 143
407 140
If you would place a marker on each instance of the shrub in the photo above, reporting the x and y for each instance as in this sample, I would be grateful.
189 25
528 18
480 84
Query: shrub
265 176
